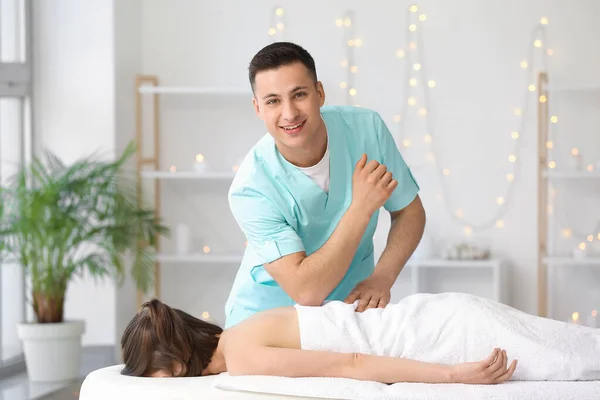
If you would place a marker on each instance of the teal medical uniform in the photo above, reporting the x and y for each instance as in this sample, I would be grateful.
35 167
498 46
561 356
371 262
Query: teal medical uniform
282 211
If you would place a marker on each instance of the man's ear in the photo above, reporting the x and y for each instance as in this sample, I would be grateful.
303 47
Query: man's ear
321 93
256 107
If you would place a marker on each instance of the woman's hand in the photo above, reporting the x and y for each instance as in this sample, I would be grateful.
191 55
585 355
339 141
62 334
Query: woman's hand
492 370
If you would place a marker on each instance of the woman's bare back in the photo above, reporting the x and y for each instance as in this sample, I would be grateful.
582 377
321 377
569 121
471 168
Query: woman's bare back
274 328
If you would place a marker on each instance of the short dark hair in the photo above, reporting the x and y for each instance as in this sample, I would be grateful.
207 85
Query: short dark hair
277 54
158 335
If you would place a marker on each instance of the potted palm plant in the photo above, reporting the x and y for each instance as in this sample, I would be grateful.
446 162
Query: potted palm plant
62 221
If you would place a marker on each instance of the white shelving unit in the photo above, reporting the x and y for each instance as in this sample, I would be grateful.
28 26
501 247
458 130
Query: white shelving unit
495 267
189 175
546 259
150 168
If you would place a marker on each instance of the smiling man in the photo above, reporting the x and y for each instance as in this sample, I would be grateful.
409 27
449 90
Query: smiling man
308 194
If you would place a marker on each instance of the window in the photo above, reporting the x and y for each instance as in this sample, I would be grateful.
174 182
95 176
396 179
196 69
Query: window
15 149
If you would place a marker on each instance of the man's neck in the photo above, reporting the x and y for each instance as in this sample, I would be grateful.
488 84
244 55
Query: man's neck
311 154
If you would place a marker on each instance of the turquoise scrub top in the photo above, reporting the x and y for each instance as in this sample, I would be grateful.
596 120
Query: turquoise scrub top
282 211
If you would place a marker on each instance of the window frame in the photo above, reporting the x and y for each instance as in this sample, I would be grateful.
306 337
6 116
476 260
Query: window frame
16 81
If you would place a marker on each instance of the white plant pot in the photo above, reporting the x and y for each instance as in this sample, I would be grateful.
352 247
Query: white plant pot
52 351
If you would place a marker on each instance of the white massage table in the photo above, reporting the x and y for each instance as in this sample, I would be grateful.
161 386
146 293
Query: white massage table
109 384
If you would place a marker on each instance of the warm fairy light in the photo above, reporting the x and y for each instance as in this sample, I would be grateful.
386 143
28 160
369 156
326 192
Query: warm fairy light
552 164
590 168
344 63
412 27
397 118
200 158
550 52
598 236
446 171
280 26
575 151
431 84
594 313
422 17
417 66
554 119
532 88
500 223
406 142
339 22
235 168
430 157
582 246
423 112
518 111
350 42
173 168
500 200
459 213
205 315
354 69
272 31
279 11
590 238
412 82
358 42
427 138
524 64
352 92
206 249
515 135
549 145
567 232
468 230
412 101
537 43
543 99
575 316
347 22
400 53
414 8
412 46
343 85
549 209
544 21
246 243
512 158
510 177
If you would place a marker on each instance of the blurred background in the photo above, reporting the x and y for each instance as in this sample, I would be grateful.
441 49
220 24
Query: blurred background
456 82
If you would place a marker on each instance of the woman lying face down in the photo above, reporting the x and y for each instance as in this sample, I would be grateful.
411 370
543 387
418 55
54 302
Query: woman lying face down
298 341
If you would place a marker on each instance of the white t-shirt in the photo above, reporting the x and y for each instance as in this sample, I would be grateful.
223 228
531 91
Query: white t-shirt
319 172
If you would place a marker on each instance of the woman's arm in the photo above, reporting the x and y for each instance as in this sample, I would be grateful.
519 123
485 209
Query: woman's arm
262 360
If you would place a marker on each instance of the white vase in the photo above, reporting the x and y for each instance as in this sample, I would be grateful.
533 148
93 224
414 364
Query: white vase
183 239
52 351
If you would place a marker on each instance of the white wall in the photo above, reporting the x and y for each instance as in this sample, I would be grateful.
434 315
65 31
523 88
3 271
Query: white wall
473 50
87 55
74 79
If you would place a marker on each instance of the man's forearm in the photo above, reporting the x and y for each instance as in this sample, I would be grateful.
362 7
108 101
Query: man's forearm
405 234
323 270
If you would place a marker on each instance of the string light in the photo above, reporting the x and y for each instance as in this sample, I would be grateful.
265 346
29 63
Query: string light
205 315
554 119
206 249
415 72
351 43
173 168
277 24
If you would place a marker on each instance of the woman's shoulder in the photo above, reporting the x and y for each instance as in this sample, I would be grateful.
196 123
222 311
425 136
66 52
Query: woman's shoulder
275 327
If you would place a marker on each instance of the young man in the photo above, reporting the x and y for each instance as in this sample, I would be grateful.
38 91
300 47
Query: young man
308 194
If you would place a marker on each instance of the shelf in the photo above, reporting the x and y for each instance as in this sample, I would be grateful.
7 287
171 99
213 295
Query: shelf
443 263
552 174
572 261
188 175
573 88
205 90
221 258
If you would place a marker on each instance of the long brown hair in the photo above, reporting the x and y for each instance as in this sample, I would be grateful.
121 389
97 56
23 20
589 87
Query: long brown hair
159 337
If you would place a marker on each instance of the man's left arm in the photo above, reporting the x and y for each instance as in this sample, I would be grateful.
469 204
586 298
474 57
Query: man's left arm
408 223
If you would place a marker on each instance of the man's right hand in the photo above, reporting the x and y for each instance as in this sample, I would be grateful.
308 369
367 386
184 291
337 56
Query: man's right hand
372 185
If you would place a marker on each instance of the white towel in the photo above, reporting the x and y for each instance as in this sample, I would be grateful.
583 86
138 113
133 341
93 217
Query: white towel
445 328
